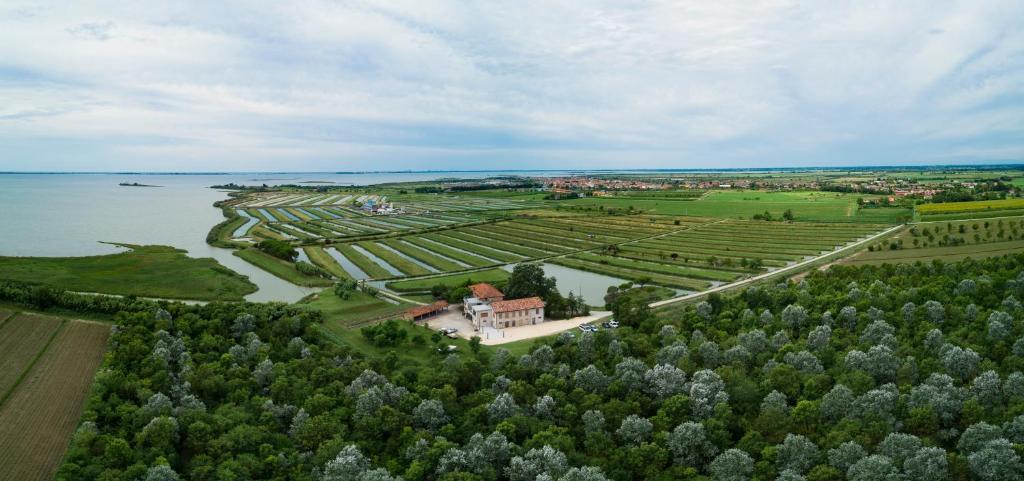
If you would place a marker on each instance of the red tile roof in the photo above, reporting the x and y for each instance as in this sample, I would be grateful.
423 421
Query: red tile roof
422 310
517 304
485 291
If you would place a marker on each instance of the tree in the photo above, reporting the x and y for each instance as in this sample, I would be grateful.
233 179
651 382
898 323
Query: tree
796 453
590 379
161 473
634 430
689 444
845 455
429 414
819 338
593 421
537 462
527 280
664 381
927 464
706 391
503 407
996 461
794 316
586 473
873 468
732 465
959 362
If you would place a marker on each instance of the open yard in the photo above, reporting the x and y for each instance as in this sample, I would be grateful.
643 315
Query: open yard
151 271
41 409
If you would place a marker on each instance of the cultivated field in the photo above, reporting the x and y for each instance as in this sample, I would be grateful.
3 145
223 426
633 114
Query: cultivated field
52 375
304 217
948 240
805 206
691 253
970 210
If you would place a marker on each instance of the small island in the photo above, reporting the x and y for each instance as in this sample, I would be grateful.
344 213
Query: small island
135 184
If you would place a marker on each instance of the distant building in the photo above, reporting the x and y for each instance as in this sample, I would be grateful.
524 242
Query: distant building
487 307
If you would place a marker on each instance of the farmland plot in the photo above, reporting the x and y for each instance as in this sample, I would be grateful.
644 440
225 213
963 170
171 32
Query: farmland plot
39 417
22 338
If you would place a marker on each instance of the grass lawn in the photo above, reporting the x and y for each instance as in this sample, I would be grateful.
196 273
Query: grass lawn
489 275
148 271
806 206
341 318
284 270
408 353
359 308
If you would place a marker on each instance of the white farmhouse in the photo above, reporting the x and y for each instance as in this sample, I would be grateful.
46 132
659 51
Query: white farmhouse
487 307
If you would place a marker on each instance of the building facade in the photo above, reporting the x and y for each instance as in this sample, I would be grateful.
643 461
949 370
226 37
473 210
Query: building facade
487 307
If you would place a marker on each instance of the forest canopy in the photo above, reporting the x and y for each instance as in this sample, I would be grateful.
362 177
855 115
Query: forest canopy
910 372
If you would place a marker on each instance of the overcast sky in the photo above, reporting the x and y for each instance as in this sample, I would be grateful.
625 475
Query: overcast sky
424 84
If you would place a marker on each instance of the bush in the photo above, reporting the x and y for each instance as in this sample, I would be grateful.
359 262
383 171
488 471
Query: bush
279 249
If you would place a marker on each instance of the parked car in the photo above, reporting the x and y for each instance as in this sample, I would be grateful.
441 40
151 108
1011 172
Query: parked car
613 324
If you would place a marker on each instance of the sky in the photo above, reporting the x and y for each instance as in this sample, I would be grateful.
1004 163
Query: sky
313 85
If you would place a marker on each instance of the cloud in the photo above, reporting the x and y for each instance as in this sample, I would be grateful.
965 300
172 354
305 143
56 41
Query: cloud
343 85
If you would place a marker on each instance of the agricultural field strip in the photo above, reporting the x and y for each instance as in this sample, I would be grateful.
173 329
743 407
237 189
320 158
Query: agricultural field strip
495 244
975 251
994 214
974 206
781 271
365 264
688 261
474 248
672 281
296 231
566 240
536 241
314 228
308 212
605 237
744 244
353 226
593 228
440 263
298 214
43 412
464 256
641 252
714 249
22 339
649 266
277 230
407 258
318 256
325 214
403 265
548 233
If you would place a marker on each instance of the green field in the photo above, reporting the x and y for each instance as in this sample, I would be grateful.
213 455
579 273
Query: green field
284 270
148 271
976 206
416 285
948 240
810 206
948 254
358 309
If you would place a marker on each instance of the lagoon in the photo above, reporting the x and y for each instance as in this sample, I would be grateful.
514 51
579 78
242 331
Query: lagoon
71 214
